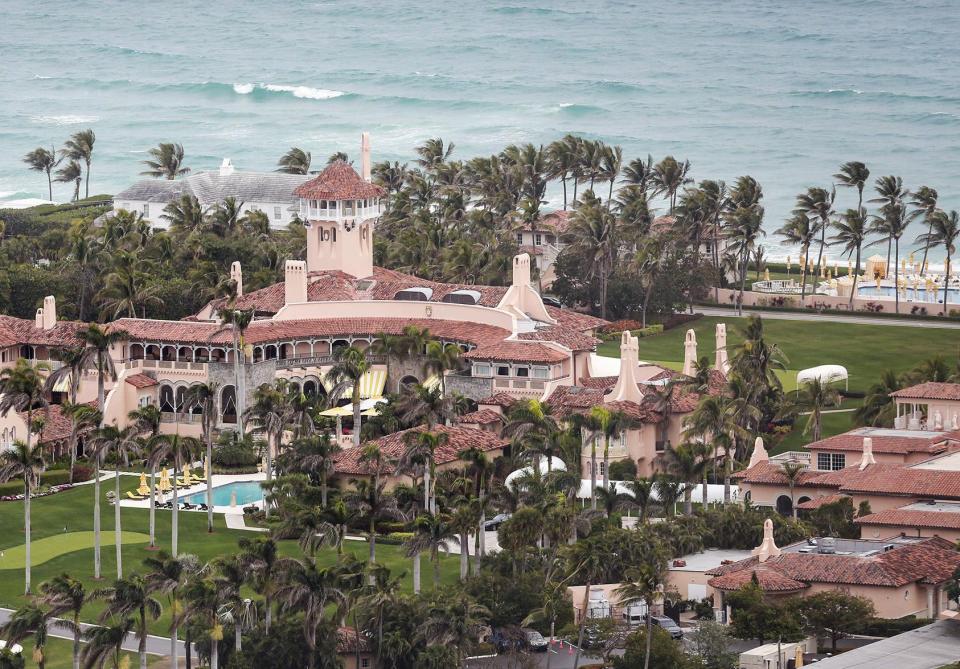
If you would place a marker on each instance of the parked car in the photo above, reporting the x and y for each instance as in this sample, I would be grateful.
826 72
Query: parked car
494 523
535 640
508 639
551 301
668 625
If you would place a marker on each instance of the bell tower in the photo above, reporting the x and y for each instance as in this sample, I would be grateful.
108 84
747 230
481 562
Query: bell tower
340 209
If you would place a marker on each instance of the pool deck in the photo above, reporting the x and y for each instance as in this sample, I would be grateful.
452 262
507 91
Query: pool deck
218 480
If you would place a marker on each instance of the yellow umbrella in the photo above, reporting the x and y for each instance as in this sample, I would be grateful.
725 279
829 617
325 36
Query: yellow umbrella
878 282
766 274
164 483
144 489
186 474
798 661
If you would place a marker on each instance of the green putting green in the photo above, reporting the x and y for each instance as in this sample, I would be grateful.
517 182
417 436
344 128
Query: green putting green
43 550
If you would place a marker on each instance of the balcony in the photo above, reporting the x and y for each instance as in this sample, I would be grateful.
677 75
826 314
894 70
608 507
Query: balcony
801 457
320 361
182 418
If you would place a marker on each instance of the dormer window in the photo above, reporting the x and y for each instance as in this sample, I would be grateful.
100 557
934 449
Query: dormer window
462 297
418 294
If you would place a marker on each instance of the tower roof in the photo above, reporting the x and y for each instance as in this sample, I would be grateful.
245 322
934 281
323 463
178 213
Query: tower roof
338 181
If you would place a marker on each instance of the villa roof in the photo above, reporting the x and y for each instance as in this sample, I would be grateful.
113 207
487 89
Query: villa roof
210 187
813 504
930 562
57 425
504 400
905 481
481 417
574 399
15 330
141 381
393 446
899 442
931 390
770 473
517 351
574 319
572 339
770 580
347 641
558 221
912 518
338 181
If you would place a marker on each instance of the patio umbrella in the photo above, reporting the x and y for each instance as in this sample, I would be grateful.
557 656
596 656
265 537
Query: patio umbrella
798 662
164 483
144 489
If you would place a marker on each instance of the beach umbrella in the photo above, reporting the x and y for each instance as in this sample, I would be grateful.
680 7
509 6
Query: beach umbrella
144 489
186 473
798 661
766 274
164 483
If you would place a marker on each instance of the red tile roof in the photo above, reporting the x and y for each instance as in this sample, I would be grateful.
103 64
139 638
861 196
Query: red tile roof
141 381
930 562
907 482
481 417
930 390
895 444
347 462
770 580
812 504
574 319
504 400
558 221
770 473
572 339
57 424
913 518
347 639
517 351
338 181
24 331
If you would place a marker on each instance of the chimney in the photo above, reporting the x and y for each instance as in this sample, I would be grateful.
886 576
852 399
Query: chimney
236 275
365 156
759 453
49 312
226 168
721 361
38 319
768 548
867 458
626 389
295 282
689 352
521 270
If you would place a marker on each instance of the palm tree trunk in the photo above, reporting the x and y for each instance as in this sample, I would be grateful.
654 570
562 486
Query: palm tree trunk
606 462
174 660
237 636
646 654
856 275
464 555
946 282
356 415
583 622
214 654
563 180
96 517
688 501
416 573
142 645
268 616
726 477
87 188
76 640
896 272
116 518
153 506
373 540
435 559
323 488
269 472
593 474
174 525
49 186
26 530
926 247
208 419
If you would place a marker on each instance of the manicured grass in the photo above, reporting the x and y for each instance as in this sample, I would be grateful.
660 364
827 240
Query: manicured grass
833 423
58 654
48 548
73 509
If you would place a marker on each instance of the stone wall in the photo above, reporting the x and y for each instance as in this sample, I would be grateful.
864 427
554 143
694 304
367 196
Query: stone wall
728 297
470 386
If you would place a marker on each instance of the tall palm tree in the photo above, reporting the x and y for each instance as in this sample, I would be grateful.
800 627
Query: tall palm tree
204 601
204 395
817 204
531 424
714 422
269 413
165 575
80 148
744 229
392 347
816 396
146 419
853 174
349 366
878 408
261 557
122 443
314 454
309 589
238 320
589 562
431 533
852 233
131 599
166 162
179 449
420 447
71 372
105 643
42 160
294 161
588 426
29 620
944 230
924 200
21 461
645 585
800 231
640 491
71 173
792 472
668 176
891 224
890 194
65 594
440 359
593 237
686 464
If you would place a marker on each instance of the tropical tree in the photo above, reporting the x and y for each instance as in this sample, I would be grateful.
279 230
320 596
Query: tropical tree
852 233
204 601
440 359
28 621
314 455
646 585
687 464
71 173
131 599
238 320
944 230
42 160
744 222
269 413
179 449
309 589
878 408
146 420
593 237
166 162
891 195
64 594
80 148
71 373
294 161
891 224
122 443
669 176
26 463
816 396
792 471
431 534
924 200
349 366
588 561
204 395
261 557
391 347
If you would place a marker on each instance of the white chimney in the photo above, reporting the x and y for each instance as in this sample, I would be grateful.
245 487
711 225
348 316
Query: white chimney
236 275
867 458
759 452
38 319
721 361
49 312
295 282
690 353
365 156
626 389
768 548
226 168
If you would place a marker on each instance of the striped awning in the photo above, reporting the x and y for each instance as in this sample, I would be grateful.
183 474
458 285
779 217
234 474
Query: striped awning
432 382
371 385
368 407
63 385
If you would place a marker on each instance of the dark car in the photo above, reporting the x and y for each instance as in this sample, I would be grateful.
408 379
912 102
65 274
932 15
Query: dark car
508 639
535 640
551 301
668 625
494 523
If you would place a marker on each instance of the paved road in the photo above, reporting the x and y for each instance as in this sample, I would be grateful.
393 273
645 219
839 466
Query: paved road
156 645
560 658
832 317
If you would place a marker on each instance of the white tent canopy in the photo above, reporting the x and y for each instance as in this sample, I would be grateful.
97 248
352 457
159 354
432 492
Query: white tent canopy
823 373
714 491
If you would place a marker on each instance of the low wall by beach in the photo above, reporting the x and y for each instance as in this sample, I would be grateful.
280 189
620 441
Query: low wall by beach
729 296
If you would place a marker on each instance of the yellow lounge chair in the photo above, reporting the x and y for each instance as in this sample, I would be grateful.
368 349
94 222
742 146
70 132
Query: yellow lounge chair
134 497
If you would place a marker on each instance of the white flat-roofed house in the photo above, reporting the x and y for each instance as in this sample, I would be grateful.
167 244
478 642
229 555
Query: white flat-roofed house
269 192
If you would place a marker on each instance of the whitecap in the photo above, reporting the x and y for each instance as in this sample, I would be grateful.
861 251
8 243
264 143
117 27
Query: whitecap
304 91
40 76
64 119
243 89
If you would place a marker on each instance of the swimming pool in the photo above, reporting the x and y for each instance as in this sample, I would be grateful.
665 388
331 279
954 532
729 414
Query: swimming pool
910 293
247 492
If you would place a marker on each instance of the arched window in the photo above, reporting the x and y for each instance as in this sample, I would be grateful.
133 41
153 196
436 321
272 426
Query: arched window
409 380
310 388
136 351
271 352
784 505
167 399
340 344
228 405
152 352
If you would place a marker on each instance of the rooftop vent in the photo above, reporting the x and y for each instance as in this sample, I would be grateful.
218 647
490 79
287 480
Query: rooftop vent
414 294
827 546
462 297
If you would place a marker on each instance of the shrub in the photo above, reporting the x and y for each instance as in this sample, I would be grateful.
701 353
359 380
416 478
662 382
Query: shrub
235 454
623 470
394 538
887 628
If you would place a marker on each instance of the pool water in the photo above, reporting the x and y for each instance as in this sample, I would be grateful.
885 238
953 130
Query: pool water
915 295
247 493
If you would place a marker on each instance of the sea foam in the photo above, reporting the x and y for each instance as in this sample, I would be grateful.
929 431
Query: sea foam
64 119
304 91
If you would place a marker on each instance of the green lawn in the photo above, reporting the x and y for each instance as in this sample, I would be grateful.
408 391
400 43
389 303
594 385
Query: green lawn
72 511
43 550
865 350
58 654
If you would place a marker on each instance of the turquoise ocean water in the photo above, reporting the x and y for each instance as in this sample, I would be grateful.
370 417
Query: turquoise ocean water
783 90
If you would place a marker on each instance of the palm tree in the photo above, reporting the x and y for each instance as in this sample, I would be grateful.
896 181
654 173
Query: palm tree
890 193
368 495
166 162
391 347
165 575
816 396
668 491
131 598
878 408
71 372
269 413
308 590
71 172
239 610
28 620
104 644
852 232
686 463
205 600
65 594
294 161
668 176
349 366
146 419
645 585
179 449
21 461
593 237
204 395
432 533
945 230
792 471
41 160
80 147
381 597
640 491
262 559
420 447
800 231
440 359
314 454
891 224
122 443
238 320
609 424
925 202
590 562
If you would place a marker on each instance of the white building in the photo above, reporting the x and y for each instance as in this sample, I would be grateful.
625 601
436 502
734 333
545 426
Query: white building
269 192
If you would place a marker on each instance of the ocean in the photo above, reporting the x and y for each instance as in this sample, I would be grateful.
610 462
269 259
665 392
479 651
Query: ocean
782 90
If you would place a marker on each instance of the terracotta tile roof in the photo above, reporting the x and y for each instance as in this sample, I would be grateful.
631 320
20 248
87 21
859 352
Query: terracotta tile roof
557 221
894 444
517 351
531 250
338 181
141 381
57 424
930 390
574 399
504 400
572 339
770 473
392 446
906 481
812 504
913 518
23 331
347 641
598 382
643 413
929 562
770 580
481 417
574 319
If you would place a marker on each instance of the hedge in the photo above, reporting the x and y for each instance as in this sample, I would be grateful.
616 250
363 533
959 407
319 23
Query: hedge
49 478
